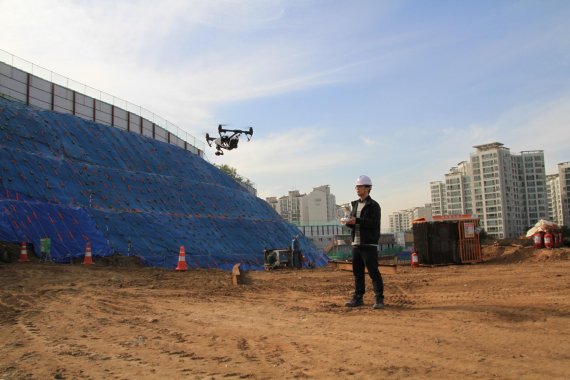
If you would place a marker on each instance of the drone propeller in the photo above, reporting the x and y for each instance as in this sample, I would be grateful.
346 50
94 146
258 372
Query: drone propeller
209 139
249 133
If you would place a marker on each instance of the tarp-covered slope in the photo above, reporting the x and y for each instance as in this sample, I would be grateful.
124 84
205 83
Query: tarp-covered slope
76 181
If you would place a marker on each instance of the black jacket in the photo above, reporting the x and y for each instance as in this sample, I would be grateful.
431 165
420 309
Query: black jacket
369 221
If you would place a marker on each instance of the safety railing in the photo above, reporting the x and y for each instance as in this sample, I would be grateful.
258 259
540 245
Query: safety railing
84 89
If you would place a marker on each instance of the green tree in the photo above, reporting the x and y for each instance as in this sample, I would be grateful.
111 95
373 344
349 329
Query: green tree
232 172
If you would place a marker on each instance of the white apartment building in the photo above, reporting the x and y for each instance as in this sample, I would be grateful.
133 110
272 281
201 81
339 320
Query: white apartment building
290 207
458 190
315 214
494 189
507 191
401 220
438 203
319 206
422 212
535 205
554 198
564 175
273 202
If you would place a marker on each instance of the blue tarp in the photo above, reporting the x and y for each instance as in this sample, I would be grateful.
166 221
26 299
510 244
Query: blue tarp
69 229
76 181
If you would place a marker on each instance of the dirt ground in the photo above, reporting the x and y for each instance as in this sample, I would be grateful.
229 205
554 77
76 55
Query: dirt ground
507 318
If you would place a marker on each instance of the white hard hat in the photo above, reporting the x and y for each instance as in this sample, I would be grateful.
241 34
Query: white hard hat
363 180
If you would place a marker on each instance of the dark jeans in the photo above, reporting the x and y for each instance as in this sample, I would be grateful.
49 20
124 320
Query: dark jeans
366 257
296 259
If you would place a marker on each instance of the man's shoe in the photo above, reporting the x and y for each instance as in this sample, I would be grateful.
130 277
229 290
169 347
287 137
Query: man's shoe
379 303
355 301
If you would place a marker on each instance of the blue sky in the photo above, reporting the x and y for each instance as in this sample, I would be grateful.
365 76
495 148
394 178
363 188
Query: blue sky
397 90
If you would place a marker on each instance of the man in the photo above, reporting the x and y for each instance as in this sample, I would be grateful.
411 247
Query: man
296 252
364 222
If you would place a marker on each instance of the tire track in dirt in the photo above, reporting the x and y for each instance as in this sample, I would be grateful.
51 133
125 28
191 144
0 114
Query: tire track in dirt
162 327
467 321
61 345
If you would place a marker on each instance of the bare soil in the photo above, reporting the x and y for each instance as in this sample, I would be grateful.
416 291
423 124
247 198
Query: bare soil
507 318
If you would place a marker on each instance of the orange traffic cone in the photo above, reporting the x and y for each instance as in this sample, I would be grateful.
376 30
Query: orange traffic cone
88 259
181 259
23 254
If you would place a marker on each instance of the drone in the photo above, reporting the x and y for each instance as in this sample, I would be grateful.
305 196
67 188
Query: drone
228 139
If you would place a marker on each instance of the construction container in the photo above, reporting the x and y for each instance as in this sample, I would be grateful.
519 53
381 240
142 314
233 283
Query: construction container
448 239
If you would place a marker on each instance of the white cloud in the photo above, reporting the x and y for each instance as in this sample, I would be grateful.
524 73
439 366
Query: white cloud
296 151
539 125
368 141
160 57
546 128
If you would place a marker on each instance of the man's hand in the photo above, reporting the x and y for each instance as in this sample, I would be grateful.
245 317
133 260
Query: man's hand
351 220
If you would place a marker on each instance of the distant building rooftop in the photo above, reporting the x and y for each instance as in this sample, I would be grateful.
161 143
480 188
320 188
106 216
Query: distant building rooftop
492 145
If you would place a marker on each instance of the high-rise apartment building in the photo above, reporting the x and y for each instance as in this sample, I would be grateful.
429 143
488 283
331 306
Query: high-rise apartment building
535 205
315 214
564 175
438 204
290 207
317 207
507 191
458 189
401 220
554 198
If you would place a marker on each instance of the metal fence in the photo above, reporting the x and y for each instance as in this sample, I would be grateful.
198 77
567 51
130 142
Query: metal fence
25 81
